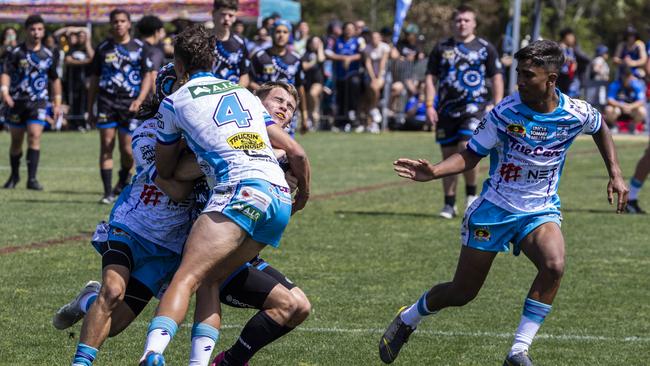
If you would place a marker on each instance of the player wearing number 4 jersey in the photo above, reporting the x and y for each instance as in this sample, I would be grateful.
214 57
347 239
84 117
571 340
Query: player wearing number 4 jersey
527 137
249 204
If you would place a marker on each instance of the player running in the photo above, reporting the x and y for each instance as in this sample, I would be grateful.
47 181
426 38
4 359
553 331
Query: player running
27 72
249 205
527 137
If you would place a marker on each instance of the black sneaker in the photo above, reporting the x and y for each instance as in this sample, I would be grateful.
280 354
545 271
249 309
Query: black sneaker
34 185
518 359
633 207
11 182
394 338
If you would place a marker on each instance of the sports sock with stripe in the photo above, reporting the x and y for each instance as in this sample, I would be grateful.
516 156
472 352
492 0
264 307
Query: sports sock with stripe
532 318
413 315
204 337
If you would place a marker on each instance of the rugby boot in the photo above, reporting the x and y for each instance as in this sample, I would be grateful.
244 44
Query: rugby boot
449 212
11 182
518 359
220 360
71 313
153 359
634 208
107 200
394 338
33 184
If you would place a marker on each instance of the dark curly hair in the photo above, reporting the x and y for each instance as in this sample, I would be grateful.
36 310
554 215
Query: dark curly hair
195 48
228 4
545 54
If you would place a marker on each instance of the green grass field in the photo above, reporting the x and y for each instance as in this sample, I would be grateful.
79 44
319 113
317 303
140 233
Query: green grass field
367 244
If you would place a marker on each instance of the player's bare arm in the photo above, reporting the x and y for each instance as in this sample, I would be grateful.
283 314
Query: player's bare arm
298 162
422 171
188 168
616 185
167 159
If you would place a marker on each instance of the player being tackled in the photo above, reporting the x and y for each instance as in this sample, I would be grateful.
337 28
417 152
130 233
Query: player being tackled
527 136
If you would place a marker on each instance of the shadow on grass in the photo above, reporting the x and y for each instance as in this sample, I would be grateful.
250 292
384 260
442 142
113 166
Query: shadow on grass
386 213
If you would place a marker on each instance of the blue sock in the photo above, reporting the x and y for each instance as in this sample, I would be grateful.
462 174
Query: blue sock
635 187
86 302
84 356
161 331
535 310
164 323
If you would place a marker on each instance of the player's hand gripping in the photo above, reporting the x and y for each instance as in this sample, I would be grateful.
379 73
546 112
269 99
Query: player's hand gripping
419 170
617 185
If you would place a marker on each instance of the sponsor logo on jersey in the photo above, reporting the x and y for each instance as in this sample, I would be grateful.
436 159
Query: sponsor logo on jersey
110 57
254 197
23 64
268 69
562 132
539 133
515 129
510 172
246 141
540 174
482 234
535 151
198 91
448 54
148 153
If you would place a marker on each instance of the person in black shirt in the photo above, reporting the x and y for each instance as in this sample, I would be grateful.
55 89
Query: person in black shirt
230 51
460 66
278 63
152 32
27 71
120 79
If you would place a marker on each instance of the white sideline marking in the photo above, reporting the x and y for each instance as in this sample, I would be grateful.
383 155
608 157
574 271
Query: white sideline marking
435 333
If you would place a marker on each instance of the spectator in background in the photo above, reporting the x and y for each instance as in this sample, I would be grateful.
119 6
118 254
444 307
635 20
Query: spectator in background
415 110
268 23
231 55
568 81
120 81
9 42
279 63
300 38
312 66
152 32
261 41
599 76
346 55
409 48
460 66
376 56
626 100
238 27
58 54
27 71
79 55
631 53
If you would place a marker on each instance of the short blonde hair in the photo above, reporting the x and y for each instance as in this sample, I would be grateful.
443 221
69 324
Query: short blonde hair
263 91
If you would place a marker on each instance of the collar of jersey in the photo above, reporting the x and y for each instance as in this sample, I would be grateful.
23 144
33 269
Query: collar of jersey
560 106
200 74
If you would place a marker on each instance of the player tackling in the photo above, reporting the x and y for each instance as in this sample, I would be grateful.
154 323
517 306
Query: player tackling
527 136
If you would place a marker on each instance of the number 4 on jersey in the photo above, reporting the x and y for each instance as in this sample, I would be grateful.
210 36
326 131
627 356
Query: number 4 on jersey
231 110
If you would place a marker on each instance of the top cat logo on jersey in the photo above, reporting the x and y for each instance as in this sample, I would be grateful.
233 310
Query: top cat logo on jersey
516 130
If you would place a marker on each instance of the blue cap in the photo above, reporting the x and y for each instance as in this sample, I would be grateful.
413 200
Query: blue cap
601 50
283 22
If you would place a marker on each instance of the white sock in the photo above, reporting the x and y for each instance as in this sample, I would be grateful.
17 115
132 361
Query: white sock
83 302
413 315
524 335
201 352
157 341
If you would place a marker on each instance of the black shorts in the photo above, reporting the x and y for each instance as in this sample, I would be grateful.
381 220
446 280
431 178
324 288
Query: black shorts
252 284
27 112
450 131
114 113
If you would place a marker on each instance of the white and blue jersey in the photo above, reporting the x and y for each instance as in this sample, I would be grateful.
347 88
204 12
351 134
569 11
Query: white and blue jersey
224 124
527 150
145 210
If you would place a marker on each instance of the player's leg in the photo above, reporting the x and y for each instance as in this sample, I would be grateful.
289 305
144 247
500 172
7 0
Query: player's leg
15 153
466 132
638 117
544 246
471 271
283 306
107 134
449 184
126 160
34 132
611 115
640 174
215 247
136 298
